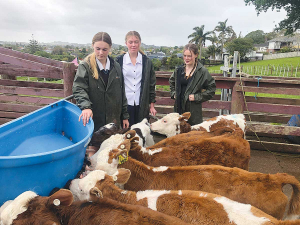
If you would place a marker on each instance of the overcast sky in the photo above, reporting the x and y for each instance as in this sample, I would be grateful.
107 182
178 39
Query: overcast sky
159 22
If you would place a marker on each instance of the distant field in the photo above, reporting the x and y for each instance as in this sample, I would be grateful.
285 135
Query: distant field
285 67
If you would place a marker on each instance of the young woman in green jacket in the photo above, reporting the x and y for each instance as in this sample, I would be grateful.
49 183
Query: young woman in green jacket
98 86
191 84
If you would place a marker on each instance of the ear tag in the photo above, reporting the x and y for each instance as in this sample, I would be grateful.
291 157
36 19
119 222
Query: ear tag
122 146
56 202
128 136
115 178
122 159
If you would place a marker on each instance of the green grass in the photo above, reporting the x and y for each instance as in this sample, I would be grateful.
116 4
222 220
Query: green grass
218 92
36 79
280 67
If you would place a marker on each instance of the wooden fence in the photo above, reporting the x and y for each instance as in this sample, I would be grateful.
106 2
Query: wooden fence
21 97
265 116
18 98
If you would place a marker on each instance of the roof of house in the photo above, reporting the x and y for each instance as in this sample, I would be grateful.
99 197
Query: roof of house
266 44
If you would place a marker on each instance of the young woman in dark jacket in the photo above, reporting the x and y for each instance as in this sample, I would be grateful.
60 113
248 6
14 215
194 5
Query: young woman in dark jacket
191 84
139 79
99 86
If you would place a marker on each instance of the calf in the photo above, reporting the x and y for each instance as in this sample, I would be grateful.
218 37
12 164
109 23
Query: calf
173 123
225 150
185 138
143 132
58 209
104 133
264 191
191 206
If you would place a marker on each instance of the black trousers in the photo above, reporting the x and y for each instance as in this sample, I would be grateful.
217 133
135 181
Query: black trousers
133 111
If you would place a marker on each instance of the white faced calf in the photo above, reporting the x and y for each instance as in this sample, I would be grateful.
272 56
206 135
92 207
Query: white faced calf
173 123
59 209
191 206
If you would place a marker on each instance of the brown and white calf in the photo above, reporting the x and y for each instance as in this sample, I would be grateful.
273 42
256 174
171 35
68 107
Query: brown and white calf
195 135
226 150
173 123
263 191
59 209
193 207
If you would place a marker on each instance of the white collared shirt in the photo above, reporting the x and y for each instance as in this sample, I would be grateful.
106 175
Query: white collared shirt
107 66
132 78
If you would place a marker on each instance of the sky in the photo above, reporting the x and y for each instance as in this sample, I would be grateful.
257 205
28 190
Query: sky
159 22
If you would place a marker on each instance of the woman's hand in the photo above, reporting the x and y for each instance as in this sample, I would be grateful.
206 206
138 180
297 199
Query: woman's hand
192 98
86 114
125 124
152 109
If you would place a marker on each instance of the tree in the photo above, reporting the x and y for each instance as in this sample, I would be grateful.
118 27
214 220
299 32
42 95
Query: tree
33 46
156 64
225 32
173 61
58 50
257 36
242 45
270 35
199 37
291 23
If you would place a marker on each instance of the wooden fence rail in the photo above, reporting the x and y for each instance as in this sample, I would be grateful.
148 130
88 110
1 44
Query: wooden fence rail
20 97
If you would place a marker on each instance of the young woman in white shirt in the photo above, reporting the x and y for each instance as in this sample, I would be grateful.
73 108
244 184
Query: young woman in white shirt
139 79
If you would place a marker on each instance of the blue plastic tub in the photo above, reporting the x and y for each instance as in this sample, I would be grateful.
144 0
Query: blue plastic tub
42 150
294 122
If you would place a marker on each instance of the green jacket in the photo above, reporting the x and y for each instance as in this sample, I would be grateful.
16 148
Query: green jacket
203 87
148 83
109 104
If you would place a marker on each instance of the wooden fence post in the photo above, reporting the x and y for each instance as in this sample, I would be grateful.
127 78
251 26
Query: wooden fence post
237 101
68 76
271 70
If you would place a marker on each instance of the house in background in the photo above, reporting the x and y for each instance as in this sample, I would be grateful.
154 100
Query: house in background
158 55
285 41
261 47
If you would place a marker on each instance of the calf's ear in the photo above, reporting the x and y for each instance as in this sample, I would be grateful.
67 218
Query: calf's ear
185 116
130 134
62 197
123 176
125 145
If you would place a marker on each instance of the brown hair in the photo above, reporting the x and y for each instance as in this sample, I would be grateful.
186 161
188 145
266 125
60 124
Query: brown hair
91 58
136 34
192 48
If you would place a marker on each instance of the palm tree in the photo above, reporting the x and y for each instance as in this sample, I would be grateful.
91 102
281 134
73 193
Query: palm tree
213 38
224 31
199 37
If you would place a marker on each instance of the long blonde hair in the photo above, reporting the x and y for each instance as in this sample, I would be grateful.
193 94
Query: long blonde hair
136 34
91 58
